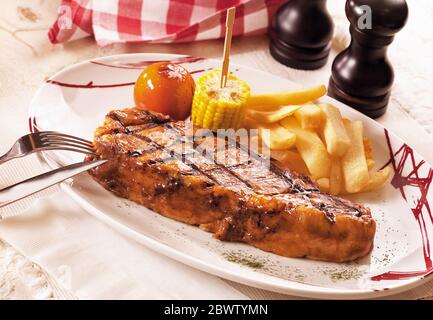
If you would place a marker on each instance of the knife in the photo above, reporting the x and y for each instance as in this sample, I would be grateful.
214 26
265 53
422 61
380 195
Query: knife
43 181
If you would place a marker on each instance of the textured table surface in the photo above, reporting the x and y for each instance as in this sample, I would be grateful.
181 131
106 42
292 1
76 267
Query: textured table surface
28 59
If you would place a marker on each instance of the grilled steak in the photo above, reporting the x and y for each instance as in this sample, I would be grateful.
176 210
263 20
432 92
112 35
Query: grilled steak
268 207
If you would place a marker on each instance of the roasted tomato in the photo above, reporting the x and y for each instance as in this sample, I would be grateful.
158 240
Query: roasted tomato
166 88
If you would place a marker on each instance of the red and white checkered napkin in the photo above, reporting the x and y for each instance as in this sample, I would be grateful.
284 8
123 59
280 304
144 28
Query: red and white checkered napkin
158 20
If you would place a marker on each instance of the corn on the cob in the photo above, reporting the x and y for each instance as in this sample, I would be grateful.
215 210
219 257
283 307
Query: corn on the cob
219 108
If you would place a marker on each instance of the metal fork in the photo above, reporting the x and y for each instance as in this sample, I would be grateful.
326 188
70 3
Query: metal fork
47 140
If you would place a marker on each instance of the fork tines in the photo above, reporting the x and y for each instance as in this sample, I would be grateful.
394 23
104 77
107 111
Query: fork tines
56 140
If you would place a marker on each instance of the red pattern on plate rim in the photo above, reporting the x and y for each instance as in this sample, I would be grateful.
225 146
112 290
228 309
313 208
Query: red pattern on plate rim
90 84
33 127
135 65
399 181
145 63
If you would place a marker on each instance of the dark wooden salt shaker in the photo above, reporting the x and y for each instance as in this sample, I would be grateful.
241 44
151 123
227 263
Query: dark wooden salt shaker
362 76
301 33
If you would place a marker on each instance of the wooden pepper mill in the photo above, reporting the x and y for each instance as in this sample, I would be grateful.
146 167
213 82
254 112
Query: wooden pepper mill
361 74
301 34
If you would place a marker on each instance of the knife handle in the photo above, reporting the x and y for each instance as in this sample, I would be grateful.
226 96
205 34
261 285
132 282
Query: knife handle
43 181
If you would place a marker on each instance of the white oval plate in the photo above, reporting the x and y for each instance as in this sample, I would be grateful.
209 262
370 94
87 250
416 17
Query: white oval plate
75 101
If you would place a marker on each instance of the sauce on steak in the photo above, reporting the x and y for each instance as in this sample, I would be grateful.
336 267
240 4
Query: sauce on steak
154 162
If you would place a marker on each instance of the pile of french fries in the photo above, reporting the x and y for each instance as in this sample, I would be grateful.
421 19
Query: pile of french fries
313 139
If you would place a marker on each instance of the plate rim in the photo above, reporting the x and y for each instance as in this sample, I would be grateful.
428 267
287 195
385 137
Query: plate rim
310 291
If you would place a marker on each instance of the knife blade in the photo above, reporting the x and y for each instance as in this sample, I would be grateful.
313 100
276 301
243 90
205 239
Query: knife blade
43 181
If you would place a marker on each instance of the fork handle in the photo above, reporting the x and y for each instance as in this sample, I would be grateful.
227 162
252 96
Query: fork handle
13 153
7 156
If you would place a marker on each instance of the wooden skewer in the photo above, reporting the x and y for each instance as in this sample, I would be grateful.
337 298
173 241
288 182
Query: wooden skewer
227 44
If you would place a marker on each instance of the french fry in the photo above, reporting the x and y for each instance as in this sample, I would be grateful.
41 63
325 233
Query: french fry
290 159
276 137
311 149
335 177
370 163
310 116
271 117
279 155
249 122
353 163
369 153
368 148
268 101
324 184
346 121
334 132
377 179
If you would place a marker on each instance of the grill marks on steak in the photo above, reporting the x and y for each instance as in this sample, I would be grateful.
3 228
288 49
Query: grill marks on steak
256 179
154 162
250 175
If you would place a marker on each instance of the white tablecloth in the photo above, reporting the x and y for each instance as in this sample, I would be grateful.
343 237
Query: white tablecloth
68 254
